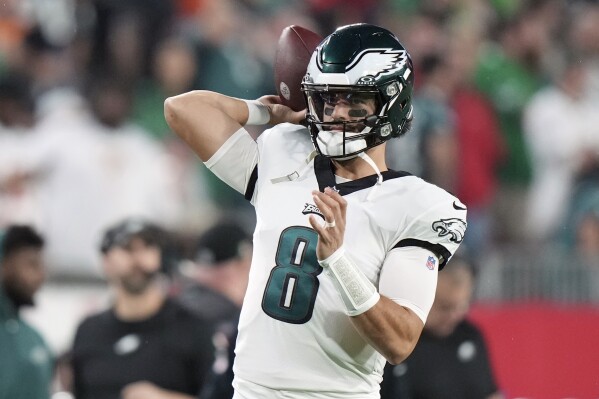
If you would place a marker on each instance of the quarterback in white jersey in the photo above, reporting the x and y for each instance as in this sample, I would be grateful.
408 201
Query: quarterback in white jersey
345 260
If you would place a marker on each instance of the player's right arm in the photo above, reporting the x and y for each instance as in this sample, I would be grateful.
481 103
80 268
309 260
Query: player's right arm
205 120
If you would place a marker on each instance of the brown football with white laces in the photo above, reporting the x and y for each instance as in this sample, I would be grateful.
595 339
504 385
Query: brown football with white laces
294 50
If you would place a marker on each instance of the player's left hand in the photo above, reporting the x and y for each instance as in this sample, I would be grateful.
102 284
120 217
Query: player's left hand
330 233
142 390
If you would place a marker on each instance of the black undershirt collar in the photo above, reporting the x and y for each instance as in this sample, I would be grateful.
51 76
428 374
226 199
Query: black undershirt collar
323 168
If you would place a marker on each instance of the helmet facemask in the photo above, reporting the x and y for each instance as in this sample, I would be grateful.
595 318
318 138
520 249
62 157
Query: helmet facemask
341 120
347 120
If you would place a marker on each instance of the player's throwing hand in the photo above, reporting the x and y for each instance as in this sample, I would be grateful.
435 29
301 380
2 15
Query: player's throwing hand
280 113
330 233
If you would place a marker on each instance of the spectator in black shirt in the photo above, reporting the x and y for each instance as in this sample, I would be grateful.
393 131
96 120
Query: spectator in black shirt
146 345
219 275
450 360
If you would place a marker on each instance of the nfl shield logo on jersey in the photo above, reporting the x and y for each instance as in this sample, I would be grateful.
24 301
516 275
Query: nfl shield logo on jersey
430 263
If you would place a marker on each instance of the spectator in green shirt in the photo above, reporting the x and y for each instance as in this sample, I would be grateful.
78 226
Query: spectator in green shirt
26 364
509 73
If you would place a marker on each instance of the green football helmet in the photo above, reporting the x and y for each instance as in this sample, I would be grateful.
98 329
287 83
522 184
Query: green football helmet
358 89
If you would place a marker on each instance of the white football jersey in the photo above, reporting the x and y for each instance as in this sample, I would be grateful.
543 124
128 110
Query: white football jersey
294 334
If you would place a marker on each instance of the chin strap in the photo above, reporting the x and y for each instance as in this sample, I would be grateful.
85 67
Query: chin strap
297 173
379 179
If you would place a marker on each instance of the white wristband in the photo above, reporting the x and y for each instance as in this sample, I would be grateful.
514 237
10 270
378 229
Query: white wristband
258 113
358 293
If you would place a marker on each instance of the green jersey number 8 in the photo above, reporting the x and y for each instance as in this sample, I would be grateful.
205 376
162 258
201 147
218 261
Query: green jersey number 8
293 284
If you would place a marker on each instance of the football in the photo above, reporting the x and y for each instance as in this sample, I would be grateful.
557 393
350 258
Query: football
293 54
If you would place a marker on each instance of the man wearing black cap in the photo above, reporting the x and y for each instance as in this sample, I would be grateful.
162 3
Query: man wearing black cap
220 273
146 345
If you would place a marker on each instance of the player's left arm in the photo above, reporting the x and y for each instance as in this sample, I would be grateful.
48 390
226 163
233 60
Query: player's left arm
407 291
391 319
391 329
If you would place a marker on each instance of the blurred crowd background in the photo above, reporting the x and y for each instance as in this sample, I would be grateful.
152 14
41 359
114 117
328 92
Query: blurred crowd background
506 117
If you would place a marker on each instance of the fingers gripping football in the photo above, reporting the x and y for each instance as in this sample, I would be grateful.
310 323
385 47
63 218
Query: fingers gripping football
330 233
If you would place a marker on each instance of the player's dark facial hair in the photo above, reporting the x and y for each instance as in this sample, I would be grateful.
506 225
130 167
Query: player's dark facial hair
17 294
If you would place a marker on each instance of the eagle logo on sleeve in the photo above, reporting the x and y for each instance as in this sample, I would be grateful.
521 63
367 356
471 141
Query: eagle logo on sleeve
454 228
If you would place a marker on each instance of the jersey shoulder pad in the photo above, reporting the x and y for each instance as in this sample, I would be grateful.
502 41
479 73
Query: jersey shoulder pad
283 132
282 148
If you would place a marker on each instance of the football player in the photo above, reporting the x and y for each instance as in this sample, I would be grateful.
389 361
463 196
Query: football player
346 252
